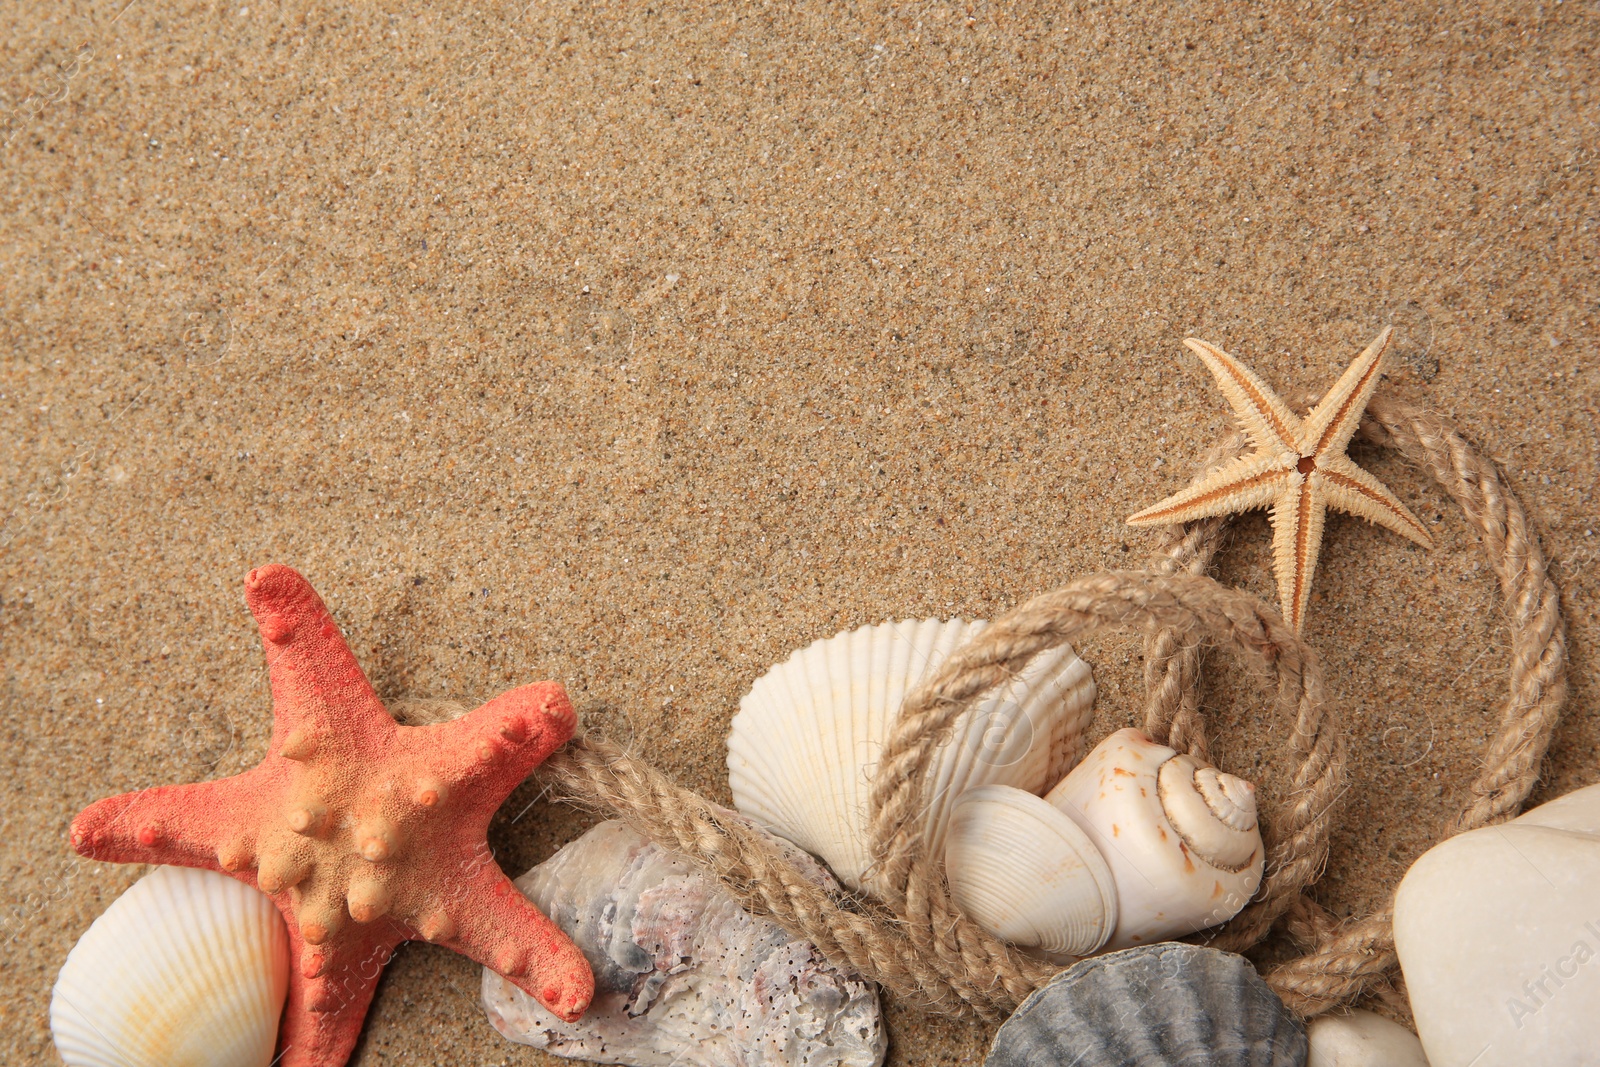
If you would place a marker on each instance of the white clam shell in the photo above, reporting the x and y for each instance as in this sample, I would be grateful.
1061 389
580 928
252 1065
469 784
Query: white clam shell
807 737
1181 838
188 968
1026 873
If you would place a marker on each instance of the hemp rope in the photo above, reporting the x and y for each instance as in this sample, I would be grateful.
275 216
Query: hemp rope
1354 957
918 946
921 948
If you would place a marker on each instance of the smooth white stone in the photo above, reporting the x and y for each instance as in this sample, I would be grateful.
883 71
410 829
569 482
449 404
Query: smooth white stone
1362 1039
1498 933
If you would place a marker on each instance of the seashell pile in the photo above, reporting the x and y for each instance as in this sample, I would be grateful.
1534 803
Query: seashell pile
682 974
1170 1004
807 736
1137 844
1498 933
188 968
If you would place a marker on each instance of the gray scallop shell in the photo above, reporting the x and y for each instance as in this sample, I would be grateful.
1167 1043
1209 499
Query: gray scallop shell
683 975
1165 1005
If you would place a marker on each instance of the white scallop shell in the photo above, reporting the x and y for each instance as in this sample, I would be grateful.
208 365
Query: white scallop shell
1180 837
1026 873
808 735
188 968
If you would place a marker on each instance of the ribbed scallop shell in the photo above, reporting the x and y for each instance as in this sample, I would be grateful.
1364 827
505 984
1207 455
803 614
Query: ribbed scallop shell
1172 1005
1025 872
808 735
188 968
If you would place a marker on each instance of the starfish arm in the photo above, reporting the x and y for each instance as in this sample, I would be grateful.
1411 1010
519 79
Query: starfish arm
1354 491
310 1038
1297 520
490 750
1269 422
314 674
326 1007
1333 421
1252 481
182 825
500 928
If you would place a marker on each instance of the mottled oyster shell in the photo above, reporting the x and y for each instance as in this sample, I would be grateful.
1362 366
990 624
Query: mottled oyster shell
683 975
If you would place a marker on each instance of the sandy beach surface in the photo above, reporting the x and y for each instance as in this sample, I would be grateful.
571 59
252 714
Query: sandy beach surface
636 346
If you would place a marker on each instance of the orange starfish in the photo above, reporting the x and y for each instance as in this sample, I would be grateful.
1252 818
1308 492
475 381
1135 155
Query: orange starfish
1299 469
363 832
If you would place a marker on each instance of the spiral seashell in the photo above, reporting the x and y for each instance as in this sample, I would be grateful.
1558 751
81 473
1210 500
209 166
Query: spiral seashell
1026 873
808 735
1214 813
1181 838
188 968
1162 1004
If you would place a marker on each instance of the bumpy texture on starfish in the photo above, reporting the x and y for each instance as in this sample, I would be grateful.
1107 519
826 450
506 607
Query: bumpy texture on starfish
1299 469
363 832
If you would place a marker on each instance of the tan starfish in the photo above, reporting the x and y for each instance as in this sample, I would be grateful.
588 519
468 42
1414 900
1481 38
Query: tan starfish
1299 469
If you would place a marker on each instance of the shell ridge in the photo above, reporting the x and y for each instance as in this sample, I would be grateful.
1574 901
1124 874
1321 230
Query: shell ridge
1170 1004
184 968
846 758
830 708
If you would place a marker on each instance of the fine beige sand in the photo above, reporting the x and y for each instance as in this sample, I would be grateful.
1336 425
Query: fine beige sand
636 348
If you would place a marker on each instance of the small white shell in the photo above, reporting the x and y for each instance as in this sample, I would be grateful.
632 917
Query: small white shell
1181 838
808 735
188 968
1362 1039
1026 873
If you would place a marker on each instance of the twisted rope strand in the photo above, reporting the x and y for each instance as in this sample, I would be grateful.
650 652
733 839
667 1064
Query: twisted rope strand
1171 668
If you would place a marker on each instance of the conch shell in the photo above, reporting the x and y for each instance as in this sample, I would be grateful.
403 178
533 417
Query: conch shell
1177 839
